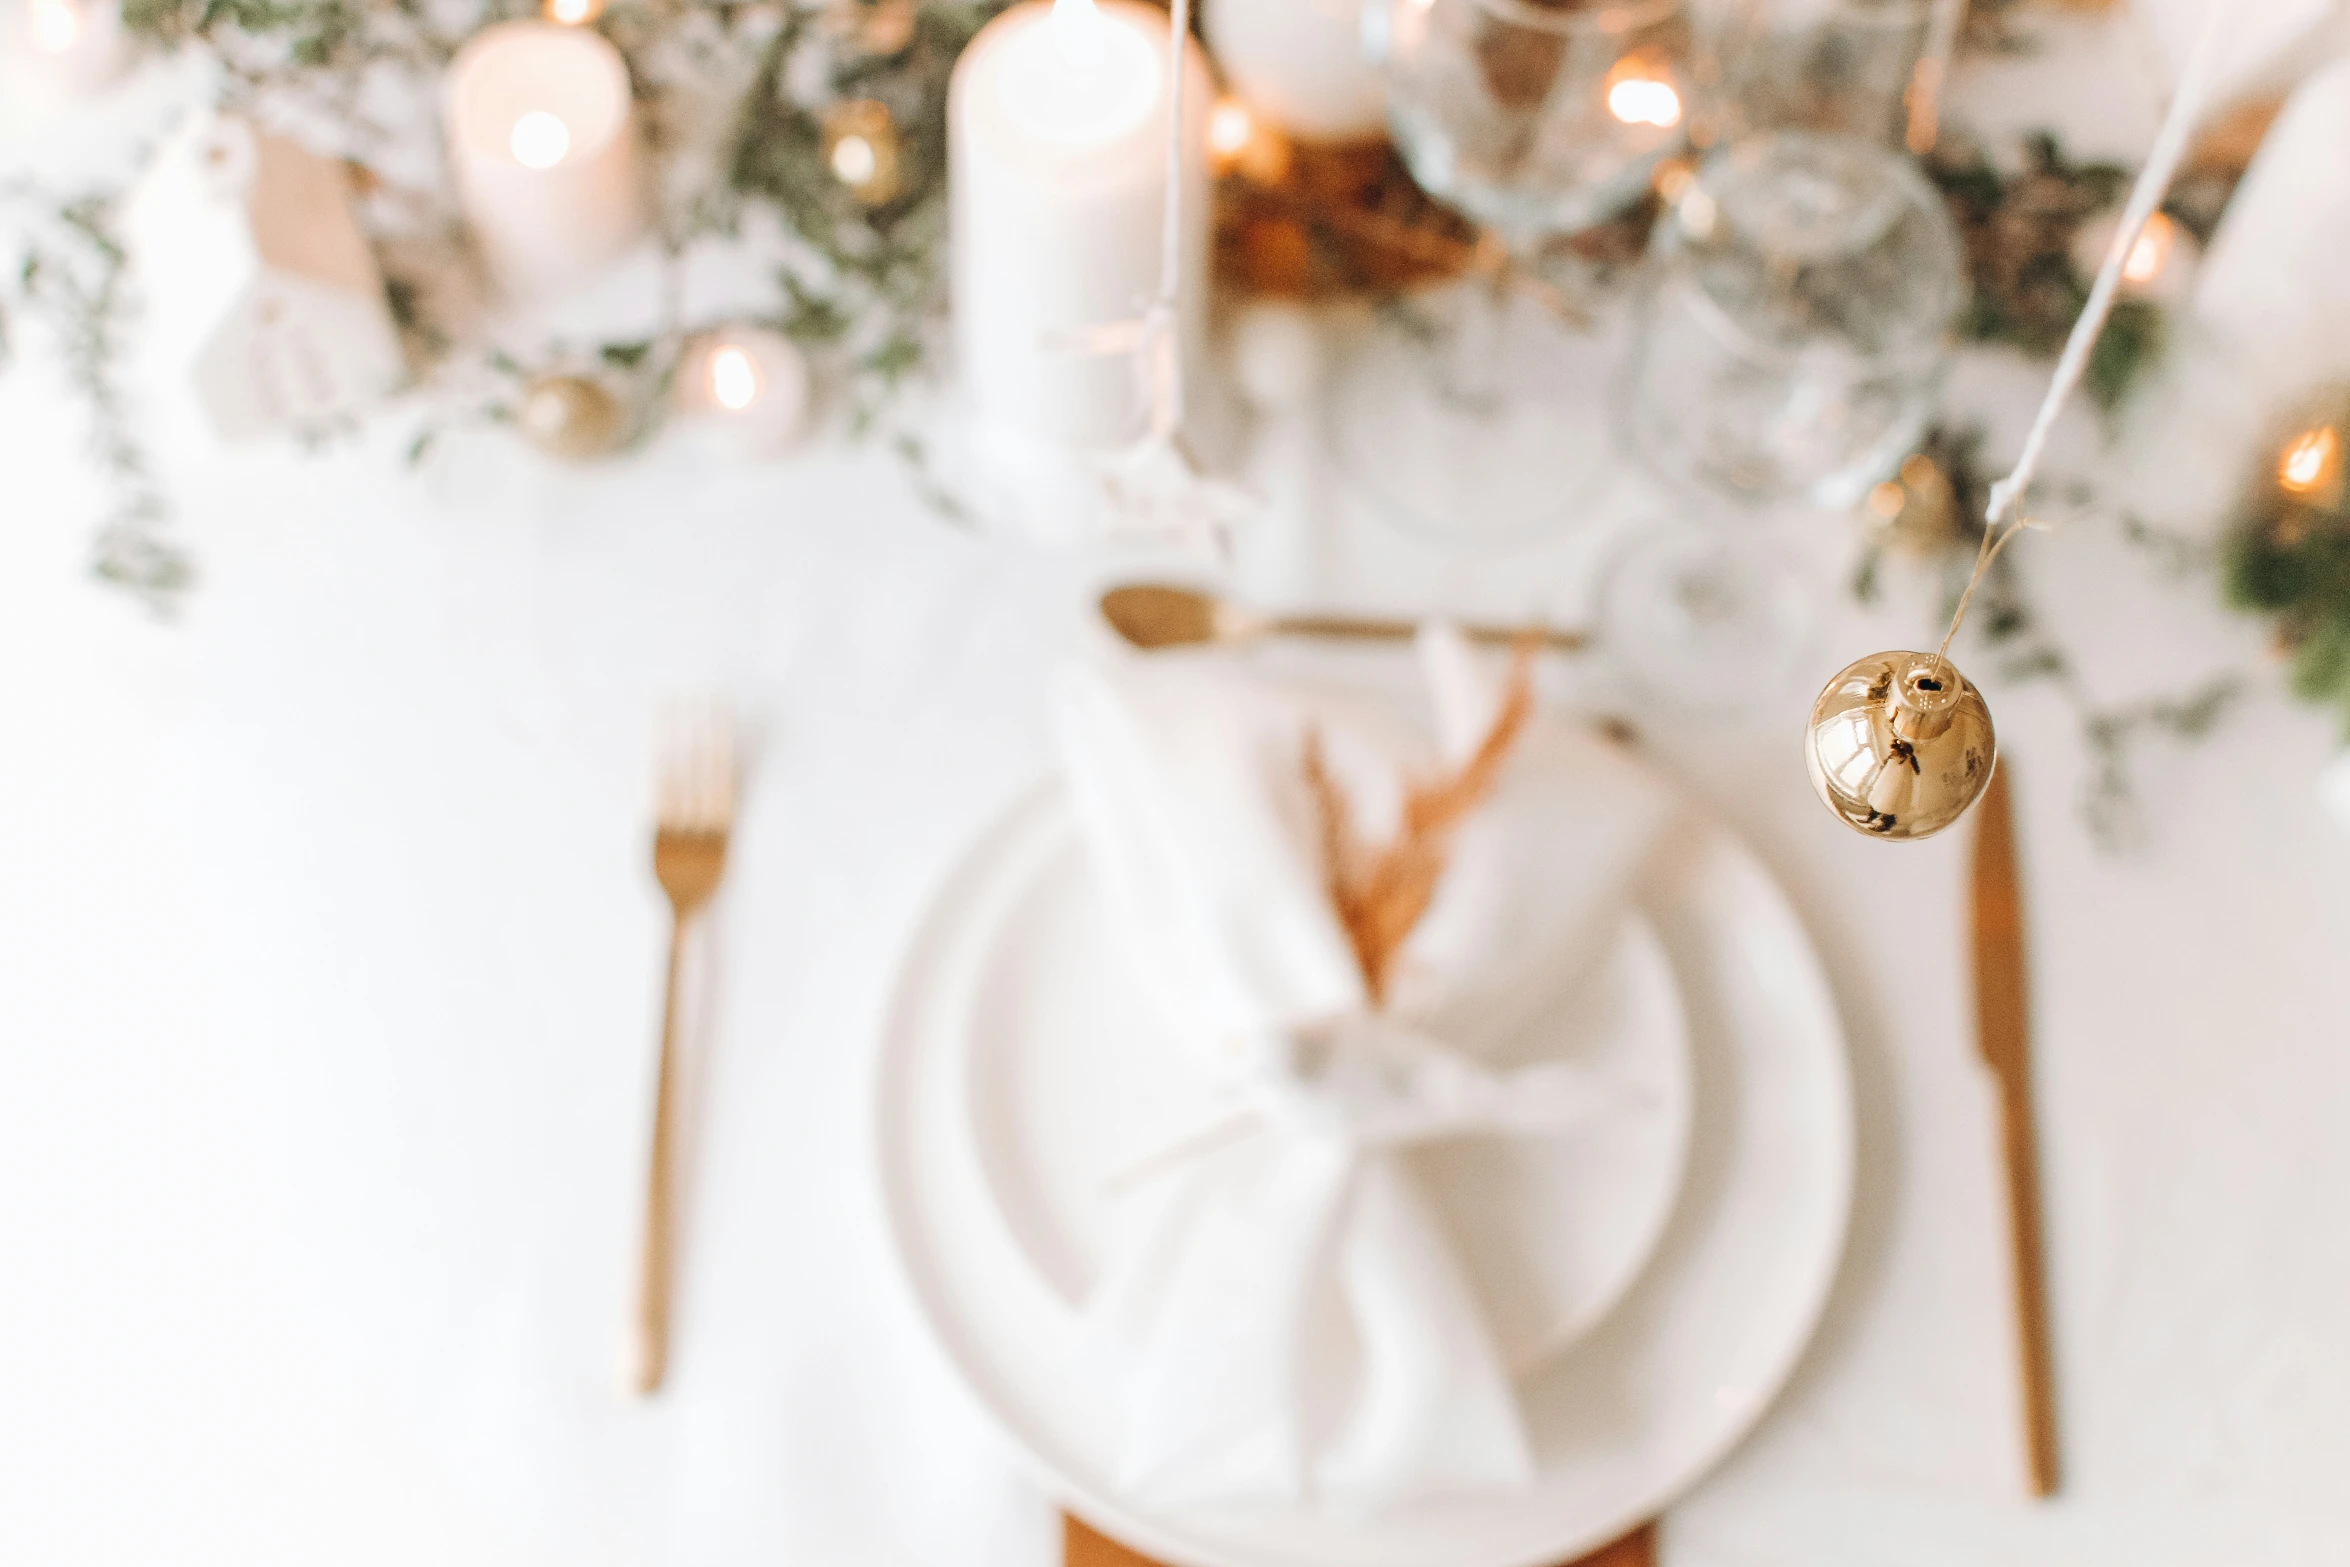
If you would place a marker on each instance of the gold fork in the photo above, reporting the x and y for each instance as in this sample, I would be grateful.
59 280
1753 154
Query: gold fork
695 814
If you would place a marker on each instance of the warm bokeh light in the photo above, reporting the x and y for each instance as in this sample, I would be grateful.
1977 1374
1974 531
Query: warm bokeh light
1639 94
574 13
1077 29
854 160
1229 128
55 24
1886 500
1238 144
2308 463
540 140
734 378
2152 249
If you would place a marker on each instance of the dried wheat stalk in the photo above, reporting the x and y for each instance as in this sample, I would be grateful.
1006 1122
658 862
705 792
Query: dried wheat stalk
1380 892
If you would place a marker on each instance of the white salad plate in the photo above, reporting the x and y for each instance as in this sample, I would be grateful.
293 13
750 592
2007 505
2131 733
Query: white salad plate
1652 1279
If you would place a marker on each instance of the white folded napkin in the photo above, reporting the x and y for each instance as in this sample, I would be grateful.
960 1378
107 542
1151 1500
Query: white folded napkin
2274 292
2265 42
1280 1310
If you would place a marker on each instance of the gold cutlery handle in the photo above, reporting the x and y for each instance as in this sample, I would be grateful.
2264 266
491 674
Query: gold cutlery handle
1353 629
650 1338
2031 1290
2003 1024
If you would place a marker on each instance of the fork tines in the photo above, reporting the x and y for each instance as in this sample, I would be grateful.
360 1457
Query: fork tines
696 792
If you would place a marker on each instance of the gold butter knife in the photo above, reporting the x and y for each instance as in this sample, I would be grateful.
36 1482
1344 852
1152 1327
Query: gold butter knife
1153 615
2003 1032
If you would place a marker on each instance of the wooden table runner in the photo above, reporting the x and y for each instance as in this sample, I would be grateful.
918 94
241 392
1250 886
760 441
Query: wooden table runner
1082 1547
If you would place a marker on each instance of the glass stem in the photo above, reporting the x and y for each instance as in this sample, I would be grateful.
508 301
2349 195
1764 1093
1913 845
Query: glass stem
1469 364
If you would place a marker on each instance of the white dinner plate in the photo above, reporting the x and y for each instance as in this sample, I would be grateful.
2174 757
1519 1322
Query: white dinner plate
995 1125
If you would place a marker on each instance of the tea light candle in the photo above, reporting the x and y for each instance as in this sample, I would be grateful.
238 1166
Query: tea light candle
1301 65
2161 263
1058 168
1639 91
541 131
77 45
747 388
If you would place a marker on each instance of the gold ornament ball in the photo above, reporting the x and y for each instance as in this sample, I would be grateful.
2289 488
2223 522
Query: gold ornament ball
569 416
860 147
1900 745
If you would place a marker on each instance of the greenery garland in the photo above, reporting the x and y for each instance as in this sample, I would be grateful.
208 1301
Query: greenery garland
2288 557
732 98
857 282
2020 228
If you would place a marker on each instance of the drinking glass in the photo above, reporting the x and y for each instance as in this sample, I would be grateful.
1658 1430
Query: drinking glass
1834 66
1533 119
1796 327
1794 337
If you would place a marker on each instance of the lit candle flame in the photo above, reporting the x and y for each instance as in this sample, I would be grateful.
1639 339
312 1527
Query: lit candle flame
2308 463
55 24
1229 128
540 140
574 13
1638 94
734 378
1077 29
2151 249
854 161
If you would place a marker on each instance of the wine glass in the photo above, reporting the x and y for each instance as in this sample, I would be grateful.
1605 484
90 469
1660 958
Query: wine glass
1533 119
1840 66
1795 333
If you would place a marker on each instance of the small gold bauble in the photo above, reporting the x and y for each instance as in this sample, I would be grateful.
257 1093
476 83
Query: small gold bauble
569 416
861 149
1899 745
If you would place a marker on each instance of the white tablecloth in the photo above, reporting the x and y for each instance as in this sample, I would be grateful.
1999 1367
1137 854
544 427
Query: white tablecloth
329 959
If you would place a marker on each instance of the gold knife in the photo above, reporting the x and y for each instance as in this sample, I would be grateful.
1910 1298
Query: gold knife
2003 1031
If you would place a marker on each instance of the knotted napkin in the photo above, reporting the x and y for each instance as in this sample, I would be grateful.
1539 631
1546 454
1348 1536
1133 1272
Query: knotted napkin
1280 1311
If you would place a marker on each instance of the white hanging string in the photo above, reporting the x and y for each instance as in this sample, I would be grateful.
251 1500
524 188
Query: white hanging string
1152 336
1165 386
1158 485
2002 516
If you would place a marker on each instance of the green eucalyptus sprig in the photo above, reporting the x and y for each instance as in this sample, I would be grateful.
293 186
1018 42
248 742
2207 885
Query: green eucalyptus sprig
64 268
2288 556
2020 227
868 283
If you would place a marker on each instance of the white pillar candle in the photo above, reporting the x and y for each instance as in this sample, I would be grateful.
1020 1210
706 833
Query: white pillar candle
541 132
745 388
1300 65
1057 167
76 45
